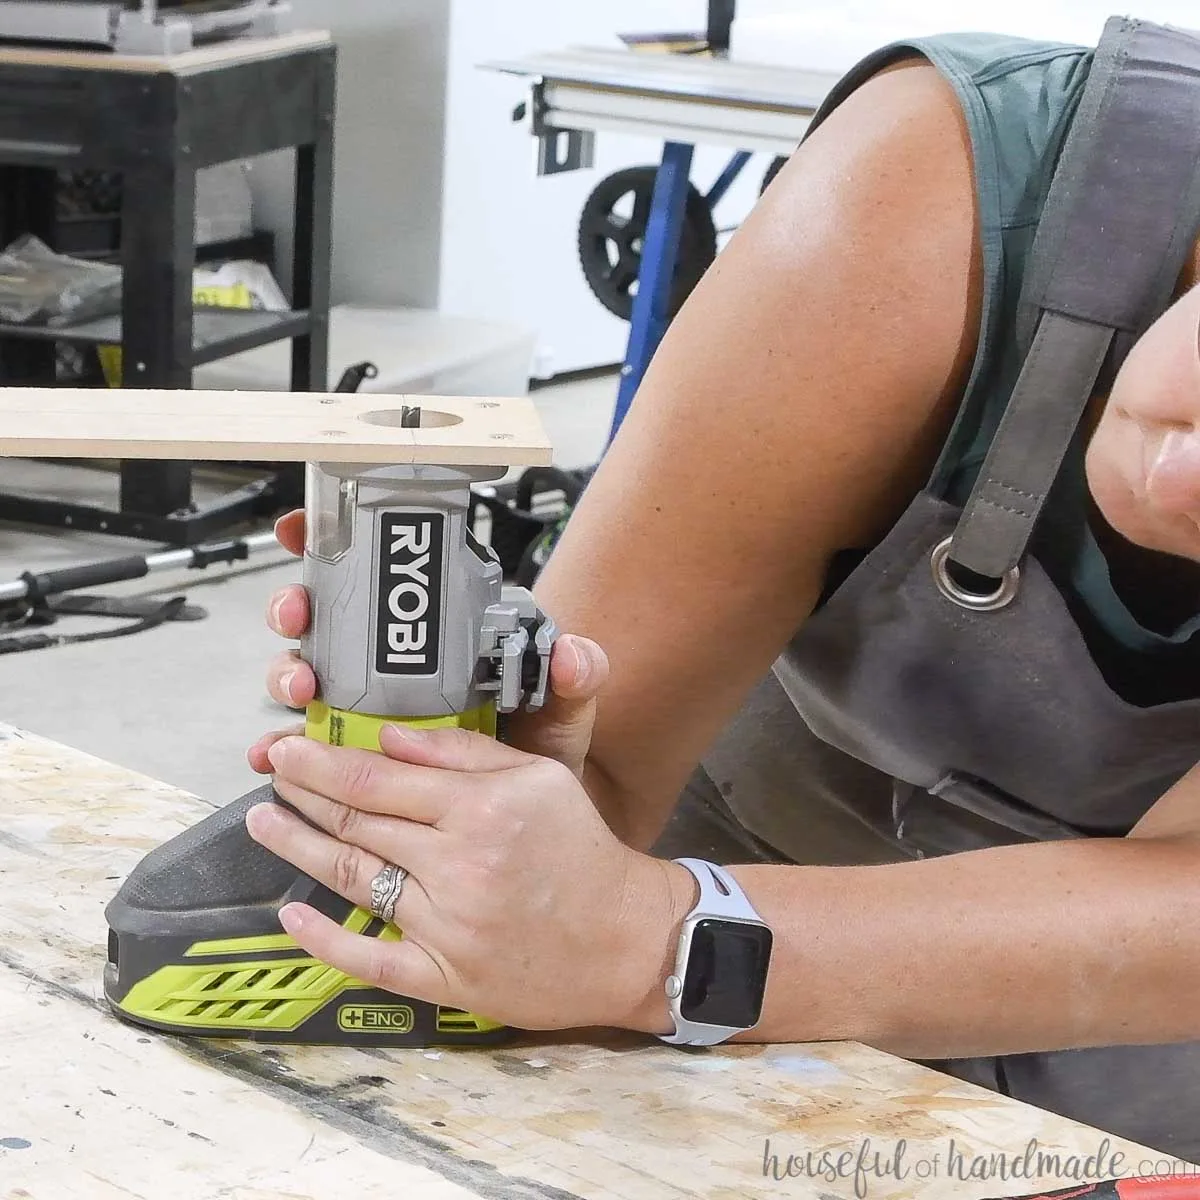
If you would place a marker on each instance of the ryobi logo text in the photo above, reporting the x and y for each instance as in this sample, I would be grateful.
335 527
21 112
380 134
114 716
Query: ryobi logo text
408 634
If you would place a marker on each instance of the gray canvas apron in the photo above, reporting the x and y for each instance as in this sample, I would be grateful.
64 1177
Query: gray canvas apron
923 710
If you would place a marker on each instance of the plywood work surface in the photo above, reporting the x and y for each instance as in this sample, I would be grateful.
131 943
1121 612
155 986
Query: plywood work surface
92 1107
276 427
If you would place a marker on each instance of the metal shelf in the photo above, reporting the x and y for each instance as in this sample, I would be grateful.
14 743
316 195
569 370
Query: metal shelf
216 333
157 122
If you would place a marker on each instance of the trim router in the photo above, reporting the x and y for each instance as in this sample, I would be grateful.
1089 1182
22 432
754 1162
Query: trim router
411 622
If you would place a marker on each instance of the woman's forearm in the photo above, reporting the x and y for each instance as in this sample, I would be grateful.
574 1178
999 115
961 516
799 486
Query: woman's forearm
633 817
1008 950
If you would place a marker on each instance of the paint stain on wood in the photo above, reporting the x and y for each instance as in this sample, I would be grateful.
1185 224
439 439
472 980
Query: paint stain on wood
519 1068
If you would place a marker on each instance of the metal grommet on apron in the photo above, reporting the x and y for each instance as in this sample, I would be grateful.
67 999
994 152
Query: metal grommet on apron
1004 593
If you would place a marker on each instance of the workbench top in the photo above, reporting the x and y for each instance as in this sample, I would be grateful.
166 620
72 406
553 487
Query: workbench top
92 1107
202 58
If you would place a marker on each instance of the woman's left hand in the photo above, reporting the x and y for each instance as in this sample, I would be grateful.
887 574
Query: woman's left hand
519 905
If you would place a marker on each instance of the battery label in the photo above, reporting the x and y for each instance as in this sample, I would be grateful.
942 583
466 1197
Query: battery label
409 598
376 1018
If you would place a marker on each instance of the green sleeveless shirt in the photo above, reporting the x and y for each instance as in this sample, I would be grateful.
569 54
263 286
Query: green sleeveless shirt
1018 98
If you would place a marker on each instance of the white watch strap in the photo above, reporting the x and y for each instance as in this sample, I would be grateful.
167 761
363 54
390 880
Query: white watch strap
720 896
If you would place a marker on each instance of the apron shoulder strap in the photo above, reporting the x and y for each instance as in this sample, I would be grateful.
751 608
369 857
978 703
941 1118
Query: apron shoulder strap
1120 219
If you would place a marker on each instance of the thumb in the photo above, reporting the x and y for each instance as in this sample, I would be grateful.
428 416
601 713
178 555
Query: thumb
578 670
563 728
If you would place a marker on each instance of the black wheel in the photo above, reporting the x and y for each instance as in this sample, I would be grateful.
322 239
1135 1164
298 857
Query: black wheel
776 166
612 229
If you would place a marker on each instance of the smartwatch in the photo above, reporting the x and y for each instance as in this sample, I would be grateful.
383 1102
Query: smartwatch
721 965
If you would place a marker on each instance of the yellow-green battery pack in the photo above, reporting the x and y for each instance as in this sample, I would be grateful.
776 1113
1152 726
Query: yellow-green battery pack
195 945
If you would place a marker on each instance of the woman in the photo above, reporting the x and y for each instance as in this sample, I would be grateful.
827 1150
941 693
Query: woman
844 365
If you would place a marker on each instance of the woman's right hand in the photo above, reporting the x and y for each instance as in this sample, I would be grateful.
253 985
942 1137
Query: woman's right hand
561 730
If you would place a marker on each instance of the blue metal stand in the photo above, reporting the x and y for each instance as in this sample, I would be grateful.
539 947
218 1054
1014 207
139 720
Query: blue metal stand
651 305
735 166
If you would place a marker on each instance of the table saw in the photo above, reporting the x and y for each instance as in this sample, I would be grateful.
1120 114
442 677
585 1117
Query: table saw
687 100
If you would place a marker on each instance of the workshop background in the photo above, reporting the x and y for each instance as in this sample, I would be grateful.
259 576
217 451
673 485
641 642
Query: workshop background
454 266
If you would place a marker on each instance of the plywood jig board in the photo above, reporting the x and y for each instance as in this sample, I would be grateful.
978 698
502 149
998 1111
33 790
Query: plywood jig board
277 427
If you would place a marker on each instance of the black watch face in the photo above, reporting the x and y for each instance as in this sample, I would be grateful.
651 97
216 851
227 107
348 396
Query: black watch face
726 974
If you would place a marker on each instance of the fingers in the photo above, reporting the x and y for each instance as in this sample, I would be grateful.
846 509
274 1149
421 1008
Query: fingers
449 749
344 869
392 840
289 613
347 870
256 756
367 781
290 680
400 967
289 530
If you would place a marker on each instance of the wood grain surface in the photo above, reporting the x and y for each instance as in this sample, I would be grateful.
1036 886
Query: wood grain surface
92 1107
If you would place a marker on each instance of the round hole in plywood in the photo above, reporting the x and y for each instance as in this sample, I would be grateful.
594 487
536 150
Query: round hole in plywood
393 418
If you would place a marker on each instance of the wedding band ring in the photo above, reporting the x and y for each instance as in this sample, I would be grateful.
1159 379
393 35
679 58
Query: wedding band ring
385 891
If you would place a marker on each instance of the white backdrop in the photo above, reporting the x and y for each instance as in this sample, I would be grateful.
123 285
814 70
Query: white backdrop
514 255
437 202
508 237
835 36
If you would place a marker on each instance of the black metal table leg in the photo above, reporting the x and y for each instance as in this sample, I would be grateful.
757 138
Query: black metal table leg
158 253
314 235
157 127
28 196
311 254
